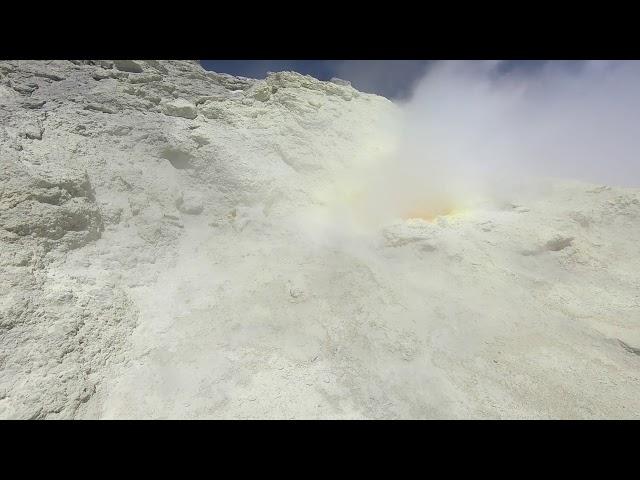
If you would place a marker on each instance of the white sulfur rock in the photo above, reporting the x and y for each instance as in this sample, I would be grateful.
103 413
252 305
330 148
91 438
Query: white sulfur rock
157 263
128 66
180 108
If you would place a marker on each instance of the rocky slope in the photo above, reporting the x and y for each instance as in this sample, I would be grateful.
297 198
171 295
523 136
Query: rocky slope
172 245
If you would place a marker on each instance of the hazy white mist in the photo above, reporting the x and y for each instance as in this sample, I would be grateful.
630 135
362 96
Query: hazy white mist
470 125
473 132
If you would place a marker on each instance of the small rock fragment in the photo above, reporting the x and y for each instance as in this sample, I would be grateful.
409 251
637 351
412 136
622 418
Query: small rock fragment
180 108
130 66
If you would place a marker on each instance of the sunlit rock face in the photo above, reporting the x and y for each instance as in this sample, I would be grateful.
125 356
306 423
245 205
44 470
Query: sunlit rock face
176 243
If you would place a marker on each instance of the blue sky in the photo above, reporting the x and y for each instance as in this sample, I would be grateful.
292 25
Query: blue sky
391 78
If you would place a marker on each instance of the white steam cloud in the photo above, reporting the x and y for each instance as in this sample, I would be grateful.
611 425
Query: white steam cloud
468 125
471 131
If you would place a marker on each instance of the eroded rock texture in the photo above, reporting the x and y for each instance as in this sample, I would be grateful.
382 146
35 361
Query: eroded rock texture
176 243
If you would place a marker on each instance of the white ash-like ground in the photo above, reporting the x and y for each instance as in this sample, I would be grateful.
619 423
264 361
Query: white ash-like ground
172 245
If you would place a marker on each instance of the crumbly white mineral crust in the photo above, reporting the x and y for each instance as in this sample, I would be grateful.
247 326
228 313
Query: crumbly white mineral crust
153 263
